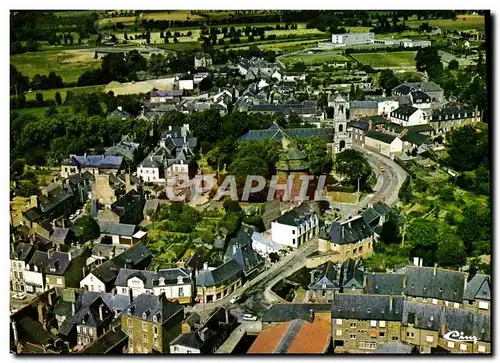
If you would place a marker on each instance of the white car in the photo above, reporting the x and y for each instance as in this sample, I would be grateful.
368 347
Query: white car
19 296
249 317
234 299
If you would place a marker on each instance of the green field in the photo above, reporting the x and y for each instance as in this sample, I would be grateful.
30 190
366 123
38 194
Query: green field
69 64
316 58
51 93
463 22
387 60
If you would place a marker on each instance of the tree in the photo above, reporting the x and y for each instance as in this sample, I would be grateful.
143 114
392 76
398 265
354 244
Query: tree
390 232
88 229
19 83
467 148
428 60
318 155
451 251
39 98
58 98
351 165
453 64
421 235
274 257
475 229
387 79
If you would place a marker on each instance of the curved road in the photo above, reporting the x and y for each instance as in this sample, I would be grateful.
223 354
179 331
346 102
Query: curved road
258 291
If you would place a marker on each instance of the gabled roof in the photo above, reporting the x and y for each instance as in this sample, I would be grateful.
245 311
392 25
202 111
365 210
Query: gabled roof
117 229
296 216
248 259
350 231
112 301
288 312
39 259
359 124
32 214
367 307
225 273
22 251
148 307
444 284
416 138
404 110
364 104
478 288
329 277
152 278
58 264
420 97
96 161
277 133
32 331
381 136
385 283
88 315
353 274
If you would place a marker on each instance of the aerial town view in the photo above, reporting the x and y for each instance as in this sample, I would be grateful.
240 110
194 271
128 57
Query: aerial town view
250 182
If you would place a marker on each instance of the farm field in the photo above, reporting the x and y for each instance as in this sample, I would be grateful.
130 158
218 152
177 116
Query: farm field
139 87
69 64
446 57
387 60
463 22
316 58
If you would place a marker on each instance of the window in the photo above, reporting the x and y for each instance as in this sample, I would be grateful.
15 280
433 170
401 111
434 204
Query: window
483 305
456 305
481 349
155 340
373 323
434 301
144 326
293 231
78 328
15 274
181 291
91 287
145 336
353 336
353 325
429 338
395 338
451 344
85 330
90 331
176 349
338 332
381 323
129 322
463 347
381 334
59 281
410 335
338 321
155 329
293 241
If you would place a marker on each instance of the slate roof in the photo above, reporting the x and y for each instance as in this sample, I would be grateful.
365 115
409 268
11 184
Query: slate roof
151 206
416 138
385 283
370 216
381 136
88 315
382 208
119 114
446 284
277 133
39 259
113 301
375 119
353 275
329 278
59 263
147 306
32 331
22 251
32 214
225 273
433 317
420 97
364 104
367 307
95 161
117 229
403 110
350 231
103 250
391 126
478 288
396 347
168 93
296 216
407 87
420 128
55 198
359 124
152 278
248 259
458 111
109 340
133 256
288 312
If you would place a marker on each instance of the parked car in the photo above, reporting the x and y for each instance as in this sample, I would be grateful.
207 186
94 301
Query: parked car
249 317
234 299
382 169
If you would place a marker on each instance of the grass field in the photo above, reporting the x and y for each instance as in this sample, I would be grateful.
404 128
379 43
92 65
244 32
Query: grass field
182 15
316 58
387 60
51 93
69 64
463 22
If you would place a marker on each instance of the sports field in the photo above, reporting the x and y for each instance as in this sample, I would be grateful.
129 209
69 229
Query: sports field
321 57
387 60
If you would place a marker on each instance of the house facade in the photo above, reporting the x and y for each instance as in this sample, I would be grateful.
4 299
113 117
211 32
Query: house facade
406 115
295 227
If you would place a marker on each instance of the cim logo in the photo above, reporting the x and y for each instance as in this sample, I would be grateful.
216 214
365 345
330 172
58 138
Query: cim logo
455 336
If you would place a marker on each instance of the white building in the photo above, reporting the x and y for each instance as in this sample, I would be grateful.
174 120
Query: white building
295 227
264 245
92 283
407 115
386 107
353 38
409 43
420 99
383 143
175 283
34 278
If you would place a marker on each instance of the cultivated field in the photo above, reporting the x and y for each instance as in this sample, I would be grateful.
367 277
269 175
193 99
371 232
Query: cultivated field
139 87
463 22
387 60
51 93
69 64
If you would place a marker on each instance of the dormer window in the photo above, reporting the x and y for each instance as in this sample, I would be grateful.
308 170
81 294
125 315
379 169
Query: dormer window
144 315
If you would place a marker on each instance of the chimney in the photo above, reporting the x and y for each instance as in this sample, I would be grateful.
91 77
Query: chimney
101 315
390 303
49 298
443 328
205 266
227 316
69 256
34 201
130 294
169 127
50 252
370 124
435 268
311 315
120 108
416 261
41 313
73 308
203 334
